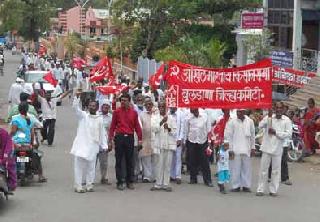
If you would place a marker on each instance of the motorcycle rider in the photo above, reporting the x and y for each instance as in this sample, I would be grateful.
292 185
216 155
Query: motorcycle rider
6 150
22 132
14 110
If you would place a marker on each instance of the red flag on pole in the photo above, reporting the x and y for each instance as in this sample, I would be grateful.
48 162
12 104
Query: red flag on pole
103 69
155 79
50 79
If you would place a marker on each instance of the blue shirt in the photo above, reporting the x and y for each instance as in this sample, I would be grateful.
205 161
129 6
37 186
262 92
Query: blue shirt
23 134
223 162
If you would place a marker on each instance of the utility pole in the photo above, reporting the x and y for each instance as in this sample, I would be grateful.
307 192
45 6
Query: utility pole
82 4
109 2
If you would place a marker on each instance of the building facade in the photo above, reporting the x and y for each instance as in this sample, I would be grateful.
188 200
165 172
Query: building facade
295 25
90 23
97 23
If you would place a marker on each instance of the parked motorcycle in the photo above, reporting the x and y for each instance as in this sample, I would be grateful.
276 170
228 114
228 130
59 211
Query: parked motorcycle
296 145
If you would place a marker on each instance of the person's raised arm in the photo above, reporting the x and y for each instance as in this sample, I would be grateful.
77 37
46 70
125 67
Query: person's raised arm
76 105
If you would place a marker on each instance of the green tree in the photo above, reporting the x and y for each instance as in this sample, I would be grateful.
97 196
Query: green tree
72 45
194 51
153 18
259 45
28 17
11 19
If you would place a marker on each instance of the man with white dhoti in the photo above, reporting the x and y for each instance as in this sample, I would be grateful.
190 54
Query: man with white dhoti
166 143
149 153
176 165
103 154
240 133
277 128
90 136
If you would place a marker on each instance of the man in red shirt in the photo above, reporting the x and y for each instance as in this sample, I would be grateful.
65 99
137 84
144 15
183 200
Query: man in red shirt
123 125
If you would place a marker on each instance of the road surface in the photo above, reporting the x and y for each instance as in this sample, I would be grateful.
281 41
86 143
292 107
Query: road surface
56 201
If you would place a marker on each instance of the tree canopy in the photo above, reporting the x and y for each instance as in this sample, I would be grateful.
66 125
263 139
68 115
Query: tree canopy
164 28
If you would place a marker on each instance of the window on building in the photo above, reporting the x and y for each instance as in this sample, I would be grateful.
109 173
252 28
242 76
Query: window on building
281 4
92 30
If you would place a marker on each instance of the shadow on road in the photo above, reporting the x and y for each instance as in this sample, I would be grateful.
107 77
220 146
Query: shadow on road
7 205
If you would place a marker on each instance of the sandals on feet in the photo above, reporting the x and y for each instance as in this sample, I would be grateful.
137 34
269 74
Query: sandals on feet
42 180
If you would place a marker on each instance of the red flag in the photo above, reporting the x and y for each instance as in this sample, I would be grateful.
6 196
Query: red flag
155 79
107 89
103 69
112 89
50 79
78 62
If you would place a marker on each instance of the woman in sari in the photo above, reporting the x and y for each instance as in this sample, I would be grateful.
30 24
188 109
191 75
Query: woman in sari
7 159
309 127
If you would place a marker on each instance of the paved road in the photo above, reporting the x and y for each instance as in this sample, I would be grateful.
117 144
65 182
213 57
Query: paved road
56 201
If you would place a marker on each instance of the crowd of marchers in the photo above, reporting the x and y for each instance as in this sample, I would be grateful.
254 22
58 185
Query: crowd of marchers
154 143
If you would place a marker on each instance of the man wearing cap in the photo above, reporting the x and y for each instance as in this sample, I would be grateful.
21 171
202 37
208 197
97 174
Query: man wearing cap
15 90
240 133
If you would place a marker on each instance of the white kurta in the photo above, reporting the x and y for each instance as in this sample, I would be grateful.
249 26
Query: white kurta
241 137
166 144
14 93
90 134
272 147
150 151
177 155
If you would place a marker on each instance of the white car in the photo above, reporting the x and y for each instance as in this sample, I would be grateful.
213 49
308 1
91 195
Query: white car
32 77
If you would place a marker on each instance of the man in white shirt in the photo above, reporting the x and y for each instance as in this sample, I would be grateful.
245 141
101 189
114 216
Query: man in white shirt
196 134
91 136
58 72
49 112
277 129
15 90
167 144
103 154
240 133
177 115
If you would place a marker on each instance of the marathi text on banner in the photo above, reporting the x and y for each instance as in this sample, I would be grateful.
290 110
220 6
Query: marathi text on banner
292 77
244 87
